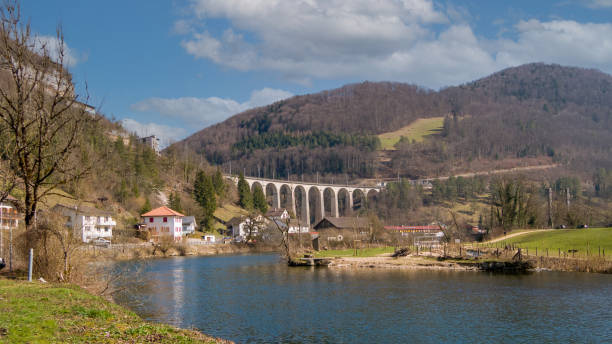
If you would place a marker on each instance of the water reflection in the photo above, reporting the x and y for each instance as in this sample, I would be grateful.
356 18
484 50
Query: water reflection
258 299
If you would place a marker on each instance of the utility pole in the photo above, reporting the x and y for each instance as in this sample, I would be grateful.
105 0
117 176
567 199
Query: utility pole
550 201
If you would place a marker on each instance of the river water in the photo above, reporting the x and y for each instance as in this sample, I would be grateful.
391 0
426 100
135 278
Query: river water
258 299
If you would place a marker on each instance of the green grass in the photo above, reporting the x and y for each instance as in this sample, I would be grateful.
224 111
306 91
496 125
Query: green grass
416 131
50 313
365 252
566 239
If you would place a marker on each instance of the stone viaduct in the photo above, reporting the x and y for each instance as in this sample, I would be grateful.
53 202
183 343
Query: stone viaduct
332 200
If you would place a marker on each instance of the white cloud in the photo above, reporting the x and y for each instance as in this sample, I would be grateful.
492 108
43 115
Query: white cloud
402 40
166 134
559 41
50 46
598 3
200 112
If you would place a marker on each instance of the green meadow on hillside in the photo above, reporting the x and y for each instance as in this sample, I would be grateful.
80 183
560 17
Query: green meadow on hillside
416 131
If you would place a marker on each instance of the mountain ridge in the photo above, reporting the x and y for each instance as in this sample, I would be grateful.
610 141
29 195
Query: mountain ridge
516 112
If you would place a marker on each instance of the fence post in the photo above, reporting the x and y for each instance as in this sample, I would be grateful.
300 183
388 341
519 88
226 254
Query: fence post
536 251
30 265
559 253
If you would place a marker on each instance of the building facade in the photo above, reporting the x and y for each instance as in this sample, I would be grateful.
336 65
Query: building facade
89 223
9 215
164 222
189 225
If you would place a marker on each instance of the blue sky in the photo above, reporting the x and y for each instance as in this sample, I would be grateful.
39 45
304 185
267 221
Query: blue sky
172 68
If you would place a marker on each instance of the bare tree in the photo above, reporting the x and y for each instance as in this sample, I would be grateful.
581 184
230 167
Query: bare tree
41 118
253 225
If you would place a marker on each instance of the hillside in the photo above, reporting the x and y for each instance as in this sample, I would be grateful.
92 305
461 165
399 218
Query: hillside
536 112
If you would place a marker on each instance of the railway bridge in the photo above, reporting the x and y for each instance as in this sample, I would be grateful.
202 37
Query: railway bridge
312 200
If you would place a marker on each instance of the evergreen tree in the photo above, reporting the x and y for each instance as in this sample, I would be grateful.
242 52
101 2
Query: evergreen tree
208 202
219 184
259 200
244 193
198 186
175 202
146 207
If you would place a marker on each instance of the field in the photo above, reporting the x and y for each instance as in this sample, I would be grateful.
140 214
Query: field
566 239
416 131
228 211
47 313
365 252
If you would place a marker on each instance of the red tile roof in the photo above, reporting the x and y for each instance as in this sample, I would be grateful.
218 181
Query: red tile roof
162 211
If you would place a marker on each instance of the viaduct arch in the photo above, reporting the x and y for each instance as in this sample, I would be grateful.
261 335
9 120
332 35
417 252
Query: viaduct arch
329 200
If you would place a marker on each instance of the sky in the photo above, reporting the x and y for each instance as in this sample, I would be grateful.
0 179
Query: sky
171 68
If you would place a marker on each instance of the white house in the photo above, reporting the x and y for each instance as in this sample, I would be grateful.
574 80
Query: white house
9 215
189 225
90 223
164 222
277 214
239 227
151 142
295 227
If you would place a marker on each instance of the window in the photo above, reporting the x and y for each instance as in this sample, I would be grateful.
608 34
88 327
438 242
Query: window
150 219
165 219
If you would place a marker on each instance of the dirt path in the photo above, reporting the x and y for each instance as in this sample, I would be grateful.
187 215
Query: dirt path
512 235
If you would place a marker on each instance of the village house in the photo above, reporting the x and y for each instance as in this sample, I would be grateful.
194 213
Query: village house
88 222
151 142
353 224
189 225
295 226
164 222
239 227
277 214
9 215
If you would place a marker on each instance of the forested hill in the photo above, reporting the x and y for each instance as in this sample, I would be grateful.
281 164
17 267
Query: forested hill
534 112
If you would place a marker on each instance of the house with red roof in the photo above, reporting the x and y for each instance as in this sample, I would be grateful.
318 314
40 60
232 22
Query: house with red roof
164 222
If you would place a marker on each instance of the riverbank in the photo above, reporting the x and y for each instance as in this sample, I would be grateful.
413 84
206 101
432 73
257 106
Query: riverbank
146 251
432 262
45 312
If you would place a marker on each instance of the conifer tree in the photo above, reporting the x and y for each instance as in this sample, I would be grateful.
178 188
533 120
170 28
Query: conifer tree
219 184
259 200
198 186
208 202
244 193
175 202
146 207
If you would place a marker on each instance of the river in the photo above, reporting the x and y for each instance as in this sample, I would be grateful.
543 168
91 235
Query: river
258 299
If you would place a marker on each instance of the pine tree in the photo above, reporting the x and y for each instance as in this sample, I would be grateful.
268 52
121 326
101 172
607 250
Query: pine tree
146 207
204 194
209 202
219 184
175 202
198 186
259 200
244 193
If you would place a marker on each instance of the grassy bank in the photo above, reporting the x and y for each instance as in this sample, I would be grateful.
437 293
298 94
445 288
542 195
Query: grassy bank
565 239
49 313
